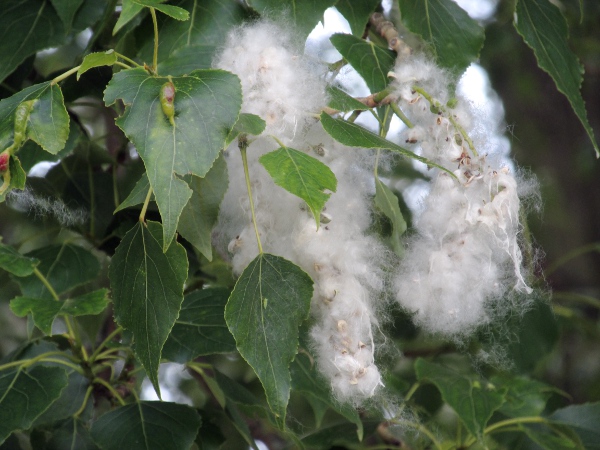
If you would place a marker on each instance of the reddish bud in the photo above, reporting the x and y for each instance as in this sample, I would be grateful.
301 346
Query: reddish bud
4 161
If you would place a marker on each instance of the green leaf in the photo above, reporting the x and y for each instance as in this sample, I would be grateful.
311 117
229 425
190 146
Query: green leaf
129 9
48 123
524 396
339 435
15 263
172 11
107 58
44 311
200 329
387 202
147 426
305 14
370 61
550 441
27 393
584 419
73 434
302 175
536 336
200 215
307 380
341 101
28 26
246 124
472 400
453 37
138 194
269 302
357 13
354 135
70 400
66 10
545 30
65 266
187 59
147 287
210 23
206 103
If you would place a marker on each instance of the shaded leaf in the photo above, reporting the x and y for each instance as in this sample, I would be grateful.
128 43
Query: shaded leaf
138 194
341 101
147 287
172 11
107 58
70 400
31 153
549 441
44 311
307 380
584 419
387 202
66 10
370 61
210 22
200 215
15 263
187 59
147 426
27 393
206 104
453 37
73 434
545 30
357 13
305 14
28 26
342 434
354 135
524 396
201 328
302 175
246 124
473 401
269 302
65 266
536 336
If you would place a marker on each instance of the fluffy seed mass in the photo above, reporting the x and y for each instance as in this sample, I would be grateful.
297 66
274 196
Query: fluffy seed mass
279 85
464 265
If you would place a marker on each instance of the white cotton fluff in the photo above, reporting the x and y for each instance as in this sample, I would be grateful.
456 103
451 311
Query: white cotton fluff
279 86
463 267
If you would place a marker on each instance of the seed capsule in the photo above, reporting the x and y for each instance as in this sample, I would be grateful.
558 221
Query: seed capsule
167 101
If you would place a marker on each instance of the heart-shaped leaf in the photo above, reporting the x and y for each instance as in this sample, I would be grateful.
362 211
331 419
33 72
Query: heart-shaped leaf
206 102
269 302
147 287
